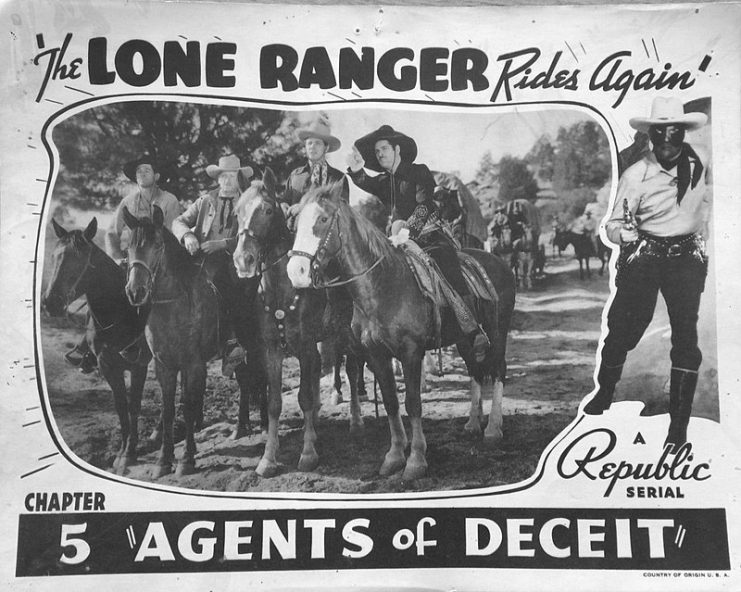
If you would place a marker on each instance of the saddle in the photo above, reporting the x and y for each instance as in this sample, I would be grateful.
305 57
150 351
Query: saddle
435 287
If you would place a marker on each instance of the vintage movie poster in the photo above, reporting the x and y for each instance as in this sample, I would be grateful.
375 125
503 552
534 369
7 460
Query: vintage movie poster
388 298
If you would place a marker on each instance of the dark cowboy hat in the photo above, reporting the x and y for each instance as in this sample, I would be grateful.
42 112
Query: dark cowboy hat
367 146
130 167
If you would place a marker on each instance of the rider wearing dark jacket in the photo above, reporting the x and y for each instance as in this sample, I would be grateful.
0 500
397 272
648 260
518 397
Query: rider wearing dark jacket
407 191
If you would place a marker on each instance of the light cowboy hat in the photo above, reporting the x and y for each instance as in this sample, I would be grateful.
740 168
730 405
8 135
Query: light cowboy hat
666 111
319 129
228 164
366 146
129 169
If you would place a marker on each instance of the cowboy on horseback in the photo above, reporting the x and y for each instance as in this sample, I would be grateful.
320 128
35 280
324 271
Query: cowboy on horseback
318 142
208 228
145 172
406 188
660 210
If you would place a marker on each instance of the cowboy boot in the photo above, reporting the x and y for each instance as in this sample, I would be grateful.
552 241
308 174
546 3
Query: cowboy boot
681 395
81 357
479 340
607 378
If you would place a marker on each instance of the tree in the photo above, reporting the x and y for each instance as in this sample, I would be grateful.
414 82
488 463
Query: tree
541 158
582 157
485 186
184 137
516 181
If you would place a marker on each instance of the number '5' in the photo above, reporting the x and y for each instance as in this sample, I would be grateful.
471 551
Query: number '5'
80 548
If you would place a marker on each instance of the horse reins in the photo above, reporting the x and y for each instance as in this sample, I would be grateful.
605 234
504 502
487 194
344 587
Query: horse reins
321 253
152 274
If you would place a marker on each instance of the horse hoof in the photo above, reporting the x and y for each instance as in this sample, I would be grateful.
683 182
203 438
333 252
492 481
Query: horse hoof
267 469
241 432
391 466
160 470
473 428
122 463
308 462
493 436
414 472
185 467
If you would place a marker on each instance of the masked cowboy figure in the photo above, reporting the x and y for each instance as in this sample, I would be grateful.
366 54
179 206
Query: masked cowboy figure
145 172
208 228
661 208
407 191
318 142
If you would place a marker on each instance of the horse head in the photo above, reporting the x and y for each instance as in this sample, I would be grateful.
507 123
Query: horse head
71 259
262 225
318 239
447 203
145 252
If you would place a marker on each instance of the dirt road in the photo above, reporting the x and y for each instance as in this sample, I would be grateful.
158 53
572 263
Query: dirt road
551 359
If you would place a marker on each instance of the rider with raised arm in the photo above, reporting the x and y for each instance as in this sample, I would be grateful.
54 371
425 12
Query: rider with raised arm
407 188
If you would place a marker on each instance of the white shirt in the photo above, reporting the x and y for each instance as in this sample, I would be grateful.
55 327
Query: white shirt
651 192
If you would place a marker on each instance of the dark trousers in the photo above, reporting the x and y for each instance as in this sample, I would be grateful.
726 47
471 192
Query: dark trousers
681 281
437 246
236 295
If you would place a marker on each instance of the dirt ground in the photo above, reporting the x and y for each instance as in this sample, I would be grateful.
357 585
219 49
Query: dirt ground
551 357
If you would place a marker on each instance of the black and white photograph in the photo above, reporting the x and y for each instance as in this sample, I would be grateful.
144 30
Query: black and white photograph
320 304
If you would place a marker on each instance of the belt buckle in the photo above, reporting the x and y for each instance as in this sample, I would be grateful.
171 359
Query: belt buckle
674 250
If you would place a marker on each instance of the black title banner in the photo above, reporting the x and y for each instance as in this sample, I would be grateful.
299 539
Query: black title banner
166 542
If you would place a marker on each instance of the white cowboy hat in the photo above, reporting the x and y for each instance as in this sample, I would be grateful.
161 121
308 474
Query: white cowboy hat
228 164
319 129
668 110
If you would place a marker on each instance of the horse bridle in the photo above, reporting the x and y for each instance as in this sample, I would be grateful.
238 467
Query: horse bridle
317 258
151 271
68 297
262 253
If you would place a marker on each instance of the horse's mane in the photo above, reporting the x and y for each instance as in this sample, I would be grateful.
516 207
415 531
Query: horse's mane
368 233
248 195
76 239
179 260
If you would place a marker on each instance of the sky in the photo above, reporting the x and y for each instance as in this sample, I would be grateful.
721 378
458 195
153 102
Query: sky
449 140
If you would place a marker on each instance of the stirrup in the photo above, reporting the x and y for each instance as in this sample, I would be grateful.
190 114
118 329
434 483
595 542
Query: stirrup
88 363
75 356
480 345
234 355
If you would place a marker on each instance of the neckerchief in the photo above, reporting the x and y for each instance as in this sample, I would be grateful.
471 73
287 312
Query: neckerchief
686 174
227 203
318 174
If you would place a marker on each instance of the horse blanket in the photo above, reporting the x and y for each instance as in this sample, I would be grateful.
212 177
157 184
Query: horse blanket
436 288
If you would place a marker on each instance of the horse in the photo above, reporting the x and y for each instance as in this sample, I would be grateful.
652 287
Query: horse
393 318
452 213
182 330
80 267
292 321
525 250
583 249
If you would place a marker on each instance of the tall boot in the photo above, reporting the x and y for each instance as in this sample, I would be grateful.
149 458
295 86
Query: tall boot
607 378
681 395
479 340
